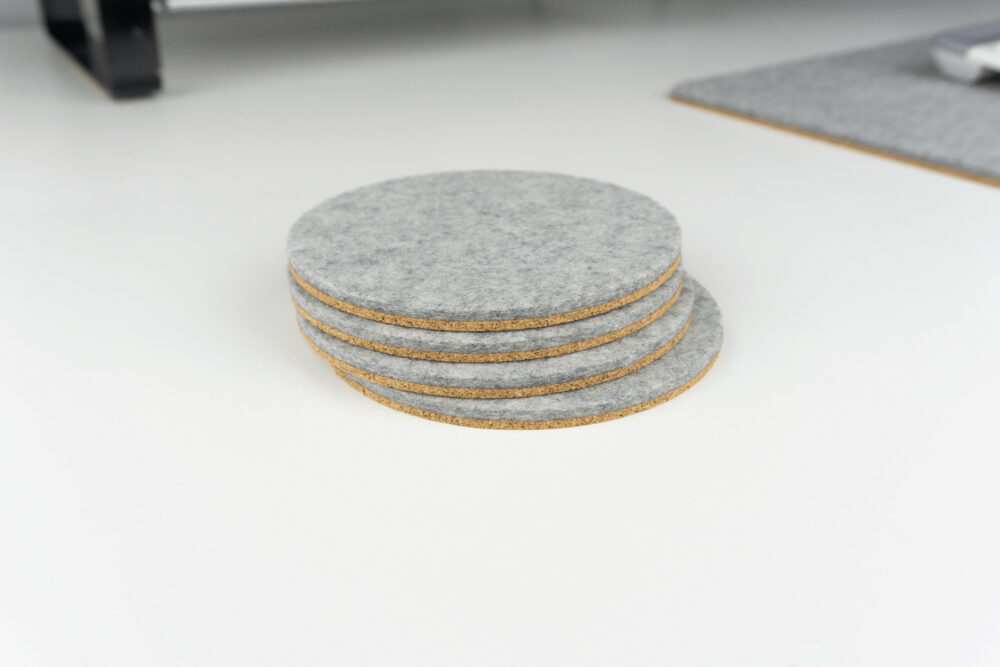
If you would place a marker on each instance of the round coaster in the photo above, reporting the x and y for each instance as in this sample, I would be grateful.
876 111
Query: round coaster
488 346
483 250
509 379
665 378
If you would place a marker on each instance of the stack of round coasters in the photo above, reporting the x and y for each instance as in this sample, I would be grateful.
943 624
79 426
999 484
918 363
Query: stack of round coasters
502 299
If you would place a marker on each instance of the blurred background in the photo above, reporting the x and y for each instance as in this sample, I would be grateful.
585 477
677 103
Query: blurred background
240 35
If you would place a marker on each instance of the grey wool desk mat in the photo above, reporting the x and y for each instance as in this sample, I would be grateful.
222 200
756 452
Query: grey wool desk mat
889 100
488 346
671 374
484 250
513 378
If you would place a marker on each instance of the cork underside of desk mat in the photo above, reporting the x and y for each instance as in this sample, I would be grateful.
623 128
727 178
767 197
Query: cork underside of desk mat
888 101
985 180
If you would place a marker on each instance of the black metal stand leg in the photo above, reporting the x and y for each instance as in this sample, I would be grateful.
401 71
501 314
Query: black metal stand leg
114 40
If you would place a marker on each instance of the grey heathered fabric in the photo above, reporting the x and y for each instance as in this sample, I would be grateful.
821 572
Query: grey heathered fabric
890 98
467 342
611 356
678 366
484 245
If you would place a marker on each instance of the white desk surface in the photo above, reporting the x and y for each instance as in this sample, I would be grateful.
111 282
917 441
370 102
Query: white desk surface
183 482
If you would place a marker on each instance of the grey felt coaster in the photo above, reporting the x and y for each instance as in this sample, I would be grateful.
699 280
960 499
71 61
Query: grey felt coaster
672 373
483 246
493 345
532 377
890 100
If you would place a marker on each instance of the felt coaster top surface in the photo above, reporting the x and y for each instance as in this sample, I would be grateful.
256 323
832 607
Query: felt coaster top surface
411 341
676 370
618 354
890 100
484 245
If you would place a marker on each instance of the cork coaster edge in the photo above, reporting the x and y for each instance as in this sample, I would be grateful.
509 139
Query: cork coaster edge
479 357
484 325
530 425
509 392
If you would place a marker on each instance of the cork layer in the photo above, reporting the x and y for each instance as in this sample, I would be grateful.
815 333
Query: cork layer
488 346
512 425
514 378
516 392
673 373
484 325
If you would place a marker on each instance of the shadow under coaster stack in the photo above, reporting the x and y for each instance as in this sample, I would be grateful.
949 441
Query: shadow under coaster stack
502 299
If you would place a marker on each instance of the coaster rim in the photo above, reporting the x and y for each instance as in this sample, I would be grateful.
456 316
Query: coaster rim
505 392
650 386
514 425
483 325
481 357
511 380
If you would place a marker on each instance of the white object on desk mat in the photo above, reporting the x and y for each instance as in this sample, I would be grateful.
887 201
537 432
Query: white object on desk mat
987 55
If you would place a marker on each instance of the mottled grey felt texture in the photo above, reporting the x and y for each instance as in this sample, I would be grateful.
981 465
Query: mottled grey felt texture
493 342
484 245
677 367
890 99
611 356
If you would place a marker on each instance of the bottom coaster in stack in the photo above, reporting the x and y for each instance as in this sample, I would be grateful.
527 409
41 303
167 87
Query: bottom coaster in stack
671 374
